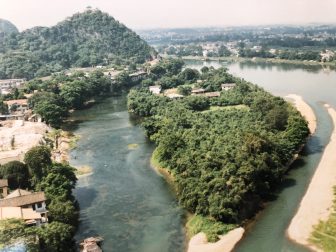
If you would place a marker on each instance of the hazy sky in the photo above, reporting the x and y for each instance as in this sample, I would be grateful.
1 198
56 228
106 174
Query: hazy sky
173 13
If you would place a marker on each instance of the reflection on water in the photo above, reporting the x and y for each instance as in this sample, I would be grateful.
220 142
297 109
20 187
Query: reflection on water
124 200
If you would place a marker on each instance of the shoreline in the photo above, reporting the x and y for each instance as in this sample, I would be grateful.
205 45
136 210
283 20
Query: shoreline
317 202
226 243
266 60
198 242
305 110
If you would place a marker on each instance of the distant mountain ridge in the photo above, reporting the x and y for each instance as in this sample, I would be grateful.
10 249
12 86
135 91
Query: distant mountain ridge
7 27
85 39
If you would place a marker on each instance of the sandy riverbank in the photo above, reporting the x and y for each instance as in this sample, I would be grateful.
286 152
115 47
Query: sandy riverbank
305 110
17 137
226 243
317 203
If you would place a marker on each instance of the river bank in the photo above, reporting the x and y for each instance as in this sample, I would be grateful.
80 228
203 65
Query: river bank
305 110
317 203
258 60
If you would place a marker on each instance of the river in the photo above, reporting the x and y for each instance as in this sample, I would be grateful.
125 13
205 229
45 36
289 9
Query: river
133 208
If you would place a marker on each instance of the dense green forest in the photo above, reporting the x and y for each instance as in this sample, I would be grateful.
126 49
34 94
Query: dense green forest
7 27
85 39
227 154
57 180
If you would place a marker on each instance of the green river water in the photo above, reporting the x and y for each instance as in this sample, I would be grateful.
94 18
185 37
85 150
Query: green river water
133 208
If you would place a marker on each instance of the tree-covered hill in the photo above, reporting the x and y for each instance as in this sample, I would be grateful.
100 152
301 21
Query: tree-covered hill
85 39
7 27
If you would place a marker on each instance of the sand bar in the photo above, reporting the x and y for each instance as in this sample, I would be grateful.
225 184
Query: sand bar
198 243
305 110
317 203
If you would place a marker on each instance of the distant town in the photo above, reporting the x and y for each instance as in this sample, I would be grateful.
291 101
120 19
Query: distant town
306 43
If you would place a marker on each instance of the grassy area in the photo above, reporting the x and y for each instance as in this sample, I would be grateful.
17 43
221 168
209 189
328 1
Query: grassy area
324 234
210 227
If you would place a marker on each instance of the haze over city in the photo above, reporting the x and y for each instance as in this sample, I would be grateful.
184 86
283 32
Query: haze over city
174 13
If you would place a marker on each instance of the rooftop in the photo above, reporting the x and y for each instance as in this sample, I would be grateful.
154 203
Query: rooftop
18 193
11 80
228 84
19 102
22 198
198 90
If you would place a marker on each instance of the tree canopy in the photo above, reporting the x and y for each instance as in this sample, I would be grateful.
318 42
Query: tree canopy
227 154
85 39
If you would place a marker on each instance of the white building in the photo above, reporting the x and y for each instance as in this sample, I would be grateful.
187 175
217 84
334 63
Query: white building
228 86
155 89
11 83
20 105
327 55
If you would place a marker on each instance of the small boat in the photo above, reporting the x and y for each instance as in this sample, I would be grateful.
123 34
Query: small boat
91 244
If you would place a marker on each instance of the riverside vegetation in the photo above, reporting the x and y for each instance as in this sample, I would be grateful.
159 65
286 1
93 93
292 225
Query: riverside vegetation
85 39
324 234
57 180
226 154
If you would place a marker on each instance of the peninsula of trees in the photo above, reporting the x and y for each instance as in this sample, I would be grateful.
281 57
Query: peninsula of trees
227 152
85 39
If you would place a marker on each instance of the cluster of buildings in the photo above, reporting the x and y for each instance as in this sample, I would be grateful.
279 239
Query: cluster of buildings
19 110
6 86
21 204
195 91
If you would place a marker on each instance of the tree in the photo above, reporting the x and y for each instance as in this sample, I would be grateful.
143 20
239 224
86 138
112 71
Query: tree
15 231
74 93
11 230
56 237
58 183
205 70
184 90
17 174
38 160
3 107
53 114
63 211
189 75
223 51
